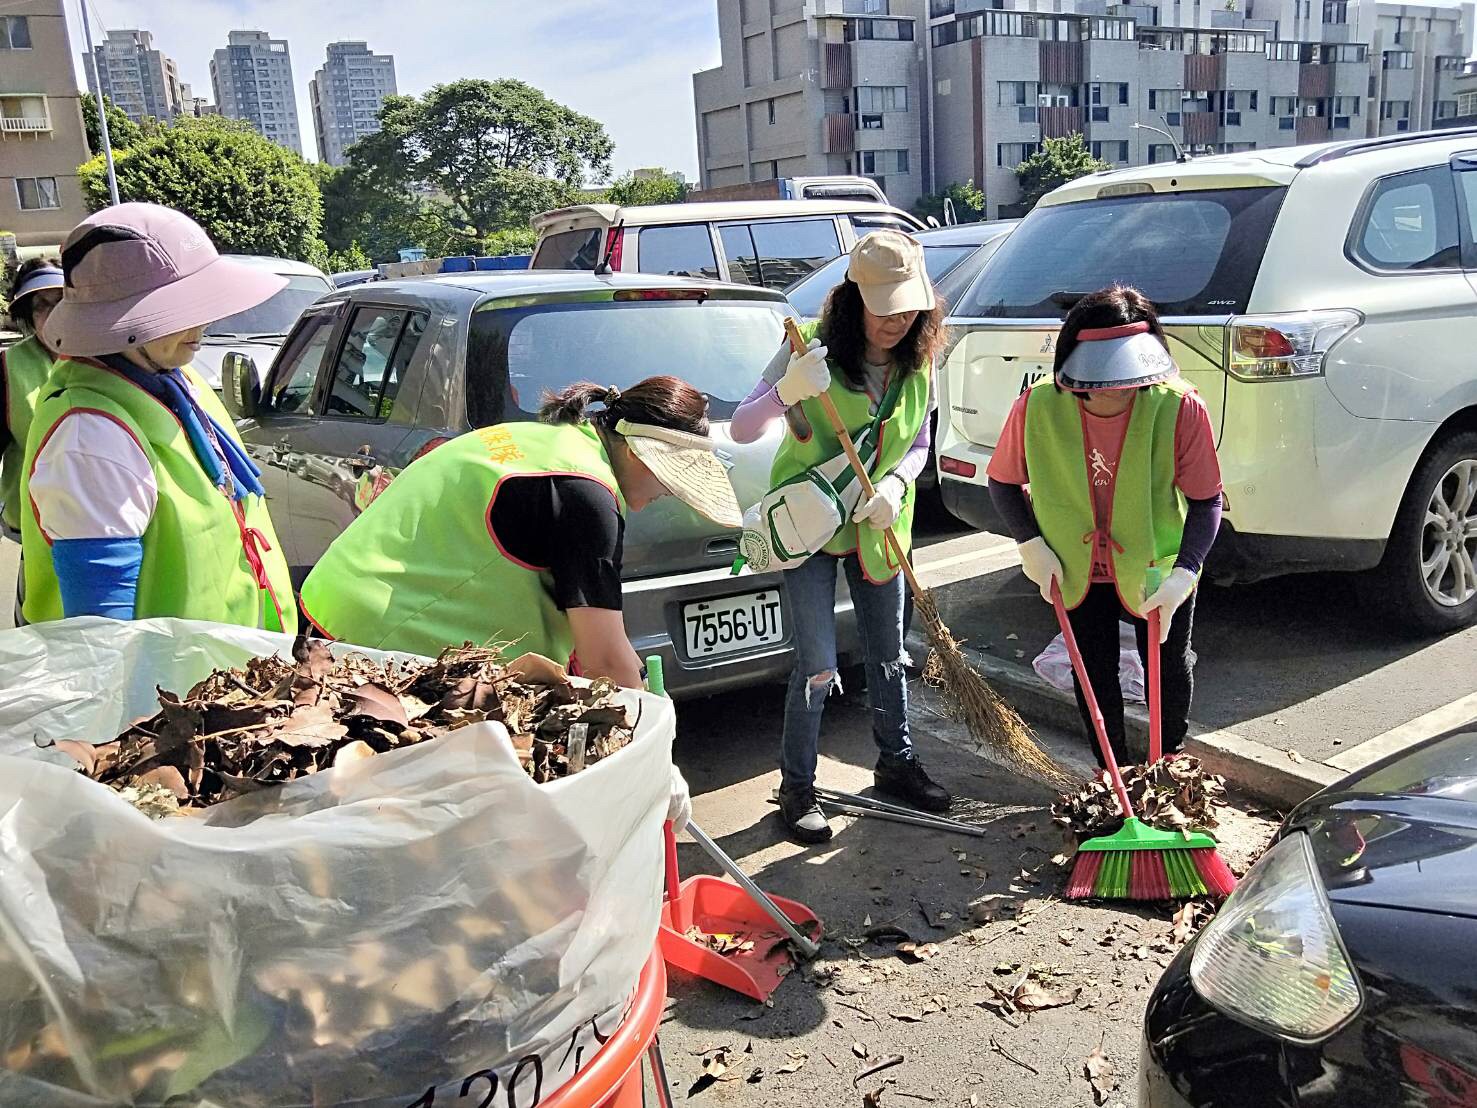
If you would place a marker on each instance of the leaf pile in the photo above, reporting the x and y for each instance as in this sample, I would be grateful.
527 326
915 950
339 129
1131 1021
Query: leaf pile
274 721
1173 794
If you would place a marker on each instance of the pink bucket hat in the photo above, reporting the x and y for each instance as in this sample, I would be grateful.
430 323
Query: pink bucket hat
139 272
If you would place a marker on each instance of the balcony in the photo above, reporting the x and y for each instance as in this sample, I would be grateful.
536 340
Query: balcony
840 133
1060 122
837 71
1201 128
23 124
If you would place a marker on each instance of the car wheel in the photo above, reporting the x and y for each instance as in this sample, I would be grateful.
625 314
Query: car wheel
1428 576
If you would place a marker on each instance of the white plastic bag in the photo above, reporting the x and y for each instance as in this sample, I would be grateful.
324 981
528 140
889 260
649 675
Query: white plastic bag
427 918
1055 666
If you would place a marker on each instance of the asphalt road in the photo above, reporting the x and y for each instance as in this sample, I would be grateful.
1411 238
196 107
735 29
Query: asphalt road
991 904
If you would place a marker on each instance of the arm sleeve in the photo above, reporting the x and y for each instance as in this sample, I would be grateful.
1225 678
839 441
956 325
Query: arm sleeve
755 413
1015 510
916 458
589 534
1202 524
94 494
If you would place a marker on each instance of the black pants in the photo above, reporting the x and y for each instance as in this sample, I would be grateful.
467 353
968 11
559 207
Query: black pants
1095 623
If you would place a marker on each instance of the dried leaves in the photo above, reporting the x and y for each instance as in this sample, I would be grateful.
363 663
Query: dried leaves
1173 794
273 721
1100 1074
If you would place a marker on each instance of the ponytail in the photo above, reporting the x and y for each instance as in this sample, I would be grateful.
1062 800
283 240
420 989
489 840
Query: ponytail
659 401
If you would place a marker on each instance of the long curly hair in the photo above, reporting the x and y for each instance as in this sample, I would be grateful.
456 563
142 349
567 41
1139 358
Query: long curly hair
844 333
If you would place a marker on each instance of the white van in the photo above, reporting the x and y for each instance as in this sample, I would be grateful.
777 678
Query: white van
772 243
1322 299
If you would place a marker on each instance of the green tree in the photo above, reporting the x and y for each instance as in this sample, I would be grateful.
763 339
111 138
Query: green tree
631 191
379 217
498 152
122 131
251 195
345 261
1058 161
969 203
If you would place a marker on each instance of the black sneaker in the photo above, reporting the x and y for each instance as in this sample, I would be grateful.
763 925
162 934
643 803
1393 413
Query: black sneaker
905 780
803 816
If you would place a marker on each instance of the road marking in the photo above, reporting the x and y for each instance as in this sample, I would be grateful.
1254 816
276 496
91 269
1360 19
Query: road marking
1427 726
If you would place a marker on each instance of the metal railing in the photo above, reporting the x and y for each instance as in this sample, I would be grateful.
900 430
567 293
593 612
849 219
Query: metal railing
23 123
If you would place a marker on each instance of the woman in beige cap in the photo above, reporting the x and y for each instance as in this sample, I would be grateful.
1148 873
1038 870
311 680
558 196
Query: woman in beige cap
872 351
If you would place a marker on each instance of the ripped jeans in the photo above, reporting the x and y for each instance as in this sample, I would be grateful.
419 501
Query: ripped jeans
811 589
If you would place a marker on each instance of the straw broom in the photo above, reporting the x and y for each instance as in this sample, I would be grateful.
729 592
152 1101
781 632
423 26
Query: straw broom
1000 732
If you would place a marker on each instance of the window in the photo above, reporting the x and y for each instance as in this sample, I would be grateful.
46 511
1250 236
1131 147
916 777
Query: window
1018 92
1346 105
1450 63
290 392
888 29
1115 93
1335 11
277 314
15 32
37 193
1191 253
937 9
1410 223
1445 109
869 123
1008 24
372 361
578 249
679 250
882 162
1394 109
1099 115
1116 151
1284 51
1466 103
1161 152
1119 29
882 98
769 105
1011 154
1399 59
778 252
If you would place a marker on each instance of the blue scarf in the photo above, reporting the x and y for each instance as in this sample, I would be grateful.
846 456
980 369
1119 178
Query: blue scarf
215 448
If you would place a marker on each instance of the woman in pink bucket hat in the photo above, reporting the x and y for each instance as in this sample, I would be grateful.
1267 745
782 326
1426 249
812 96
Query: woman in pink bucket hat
141 499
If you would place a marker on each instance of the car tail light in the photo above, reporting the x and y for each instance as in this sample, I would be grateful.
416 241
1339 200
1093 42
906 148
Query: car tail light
661 294
615 239
957 467
429 446
1262 348
1273 957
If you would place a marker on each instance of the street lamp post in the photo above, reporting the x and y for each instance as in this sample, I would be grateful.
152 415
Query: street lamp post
1179 151
102 110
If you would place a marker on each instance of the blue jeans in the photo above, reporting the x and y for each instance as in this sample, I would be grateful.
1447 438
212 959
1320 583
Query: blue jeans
811 589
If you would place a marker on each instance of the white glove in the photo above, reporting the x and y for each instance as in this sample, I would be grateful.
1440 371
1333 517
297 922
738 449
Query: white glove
1169 596
679 803
881 510
1041 565
807 375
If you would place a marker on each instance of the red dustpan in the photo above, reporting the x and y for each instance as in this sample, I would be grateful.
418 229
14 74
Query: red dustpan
753 937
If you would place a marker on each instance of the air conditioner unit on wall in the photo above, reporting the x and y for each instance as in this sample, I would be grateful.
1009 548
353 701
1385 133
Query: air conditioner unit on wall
1043 101
1310 110
1061 101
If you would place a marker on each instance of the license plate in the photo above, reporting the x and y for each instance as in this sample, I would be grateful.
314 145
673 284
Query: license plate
732 624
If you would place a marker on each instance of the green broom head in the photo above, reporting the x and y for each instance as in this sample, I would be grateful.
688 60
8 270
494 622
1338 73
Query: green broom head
1139 862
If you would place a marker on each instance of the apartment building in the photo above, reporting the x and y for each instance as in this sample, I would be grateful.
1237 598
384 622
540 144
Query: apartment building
252 80
1140 82
814 87
139 79
42 141
346 95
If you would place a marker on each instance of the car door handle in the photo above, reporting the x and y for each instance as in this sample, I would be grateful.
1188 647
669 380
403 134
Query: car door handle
360 462
722 548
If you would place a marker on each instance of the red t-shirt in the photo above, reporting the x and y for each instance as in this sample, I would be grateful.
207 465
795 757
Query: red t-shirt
1197 471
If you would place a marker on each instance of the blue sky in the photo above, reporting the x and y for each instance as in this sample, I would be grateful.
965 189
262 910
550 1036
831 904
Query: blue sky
627 63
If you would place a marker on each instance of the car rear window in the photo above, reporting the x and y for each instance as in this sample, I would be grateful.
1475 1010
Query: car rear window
579 249
515 355
1191 253
809 293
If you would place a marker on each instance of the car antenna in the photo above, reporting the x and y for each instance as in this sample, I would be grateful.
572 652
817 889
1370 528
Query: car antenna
1179 151
603 268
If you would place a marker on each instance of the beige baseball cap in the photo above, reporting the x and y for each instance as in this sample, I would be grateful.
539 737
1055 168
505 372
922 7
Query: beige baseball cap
887 267
686 465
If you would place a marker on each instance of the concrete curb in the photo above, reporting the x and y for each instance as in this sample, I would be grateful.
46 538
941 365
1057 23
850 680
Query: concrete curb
1247 765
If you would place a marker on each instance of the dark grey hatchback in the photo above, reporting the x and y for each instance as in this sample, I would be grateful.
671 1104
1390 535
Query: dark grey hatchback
375 375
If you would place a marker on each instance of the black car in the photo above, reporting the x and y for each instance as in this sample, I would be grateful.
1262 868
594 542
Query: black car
1341 972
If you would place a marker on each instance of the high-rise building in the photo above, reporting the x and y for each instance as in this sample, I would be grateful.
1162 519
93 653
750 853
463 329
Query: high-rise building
140 80
346 95
920 94
252 80
42 141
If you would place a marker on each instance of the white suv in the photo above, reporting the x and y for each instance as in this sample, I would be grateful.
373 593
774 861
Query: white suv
1322 299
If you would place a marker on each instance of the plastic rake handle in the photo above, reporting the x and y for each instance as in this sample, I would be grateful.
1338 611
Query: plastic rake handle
1156 706
797 344
1100 729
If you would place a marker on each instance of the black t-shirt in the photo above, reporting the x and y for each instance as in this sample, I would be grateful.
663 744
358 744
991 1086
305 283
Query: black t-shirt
569 526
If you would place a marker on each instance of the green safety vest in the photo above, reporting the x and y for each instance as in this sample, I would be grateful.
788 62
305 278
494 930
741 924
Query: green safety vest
420 569
26 365
796 455
1147 518
195 556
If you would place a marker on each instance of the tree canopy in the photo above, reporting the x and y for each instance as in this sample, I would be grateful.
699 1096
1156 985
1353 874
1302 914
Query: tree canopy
122 131
631 191
251 195
969 203
495 152
1058 161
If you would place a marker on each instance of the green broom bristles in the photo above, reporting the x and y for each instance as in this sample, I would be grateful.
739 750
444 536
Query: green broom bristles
1139 862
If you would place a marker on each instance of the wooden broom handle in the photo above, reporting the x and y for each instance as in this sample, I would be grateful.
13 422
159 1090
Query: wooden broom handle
798 346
